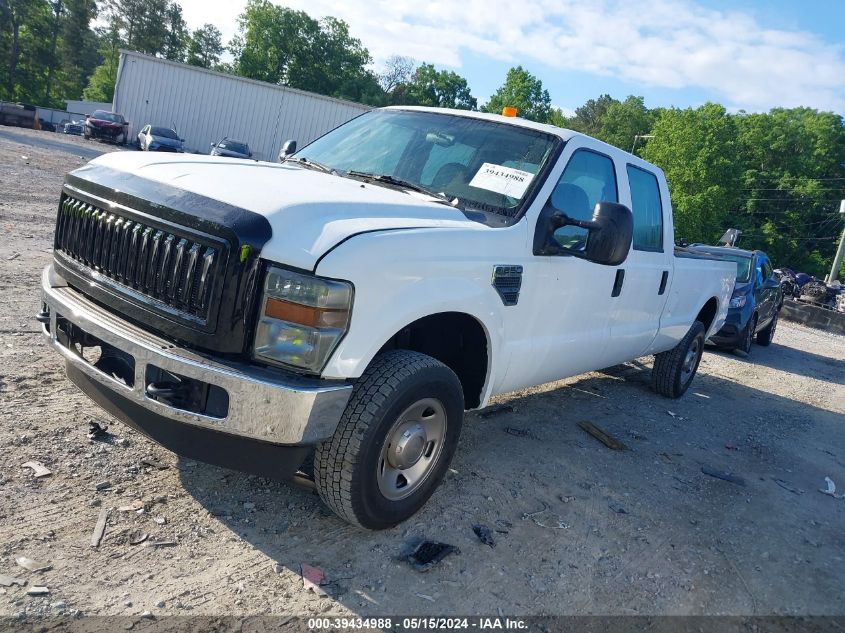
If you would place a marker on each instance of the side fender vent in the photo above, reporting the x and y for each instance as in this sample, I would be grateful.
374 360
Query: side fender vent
507 280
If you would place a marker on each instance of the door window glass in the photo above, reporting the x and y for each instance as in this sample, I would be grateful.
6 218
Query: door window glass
647 210
589 178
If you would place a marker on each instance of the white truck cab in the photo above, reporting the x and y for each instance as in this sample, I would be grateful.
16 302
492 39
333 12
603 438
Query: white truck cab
354 300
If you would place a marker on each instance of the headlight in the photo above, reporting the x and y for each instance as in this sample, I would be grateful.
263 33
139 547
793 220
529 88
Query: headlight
738 302
302 319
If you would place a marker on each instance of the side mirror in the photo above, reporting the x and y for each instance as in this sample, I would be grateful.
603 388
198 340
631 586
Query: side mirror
288 149
609 233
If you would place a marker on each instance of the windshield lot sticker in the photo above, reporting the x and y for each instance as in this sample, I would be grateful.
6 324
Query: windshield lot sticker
504 180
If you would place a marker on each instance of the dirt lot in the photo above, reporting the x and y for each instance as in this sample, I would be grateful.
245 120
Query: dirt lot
637 532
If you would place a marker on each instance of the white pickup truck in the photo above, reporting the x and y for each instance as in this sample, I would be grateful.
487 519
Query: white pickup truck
351 302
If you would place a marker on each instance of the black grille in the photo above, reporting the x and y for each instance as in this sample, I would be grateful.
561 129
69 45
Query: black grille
177 270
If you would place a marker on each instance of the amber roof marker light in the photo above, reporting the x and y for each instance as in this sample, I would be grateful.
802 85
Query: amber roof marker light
508 111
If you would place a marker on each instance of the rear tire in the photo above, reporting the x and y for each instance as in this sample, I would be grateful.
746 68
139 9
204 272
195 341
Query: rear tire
674 369
765 336
397 405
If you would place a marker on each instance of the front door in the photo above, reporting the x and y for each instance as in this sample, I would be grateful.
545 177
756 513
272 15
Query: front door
573 296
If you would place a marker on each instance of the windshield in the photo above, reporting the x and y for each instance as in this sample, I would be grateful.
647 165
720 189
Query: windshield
743 266
234 146
487 166
163 131
102 115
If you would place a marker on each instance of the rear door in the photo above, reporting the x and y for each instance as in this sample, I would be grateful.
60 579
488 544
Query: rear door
646 274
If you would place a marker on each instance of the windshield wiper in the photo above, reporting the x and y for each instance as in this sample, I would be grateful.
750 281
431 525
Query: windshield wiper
307 162
387 179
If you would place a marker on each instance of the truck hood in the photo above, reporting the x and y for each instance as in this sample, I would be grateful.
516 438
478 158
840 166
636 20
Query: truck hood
310 212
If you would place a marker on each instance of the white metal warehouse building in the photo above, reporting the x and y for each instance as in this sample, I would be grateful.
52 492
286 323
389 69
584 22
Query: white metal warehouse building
205 106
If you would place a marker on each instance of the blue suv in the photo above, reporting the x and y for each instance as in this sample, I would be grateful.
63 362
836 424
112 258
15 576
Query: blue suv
756 301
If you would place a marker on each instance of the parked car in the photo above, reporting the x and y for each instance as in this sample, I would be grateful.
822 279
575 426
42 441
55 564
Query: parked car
74 127
19 114
755 303
108 126
351 303
231 148
159 139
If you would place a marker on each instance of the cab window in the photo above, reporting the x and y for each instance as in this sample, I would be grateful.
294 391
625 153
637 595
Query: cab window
589 178
646 209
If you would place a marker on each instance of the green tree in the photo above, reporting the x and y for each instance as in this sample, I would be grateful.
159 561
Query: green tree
792 181
589 118
101 83
205 46
698 151
176 34
523 91
288 47
78 46
437 88
622 121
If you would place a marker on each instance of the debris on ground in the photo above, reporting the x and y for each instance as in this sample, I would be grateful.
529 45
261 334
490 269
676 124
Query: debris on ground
38 591
516 432
100 528
603 437
39 470
496 410
723 475
312 578
617 507
731 447
428 553
136 505
102 485
13 256
561 525
425 597
831 489
32 565
484 534
136 538
98 432
169 543
786 486
566 498
8 581
152 463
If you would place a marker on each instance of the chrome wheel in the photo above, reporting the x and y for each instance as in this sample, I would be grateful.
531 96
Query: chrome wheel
411 449
691 360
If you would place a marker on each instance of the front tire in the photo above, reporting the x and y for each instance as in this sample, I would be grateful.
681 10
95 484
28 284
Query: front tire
674 369
765 336
748 335
394 442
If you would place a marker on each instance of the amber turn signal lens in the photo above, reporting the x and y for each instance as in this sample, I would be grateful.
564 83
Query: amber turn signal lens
304 315
509 111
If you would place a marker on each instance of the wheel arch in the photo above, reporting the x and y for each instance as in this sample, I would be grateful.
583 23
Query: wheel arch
458 340
707 314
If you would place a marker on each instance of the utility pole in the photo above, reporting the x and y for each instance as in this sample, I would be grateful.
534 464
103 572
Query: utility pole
637 138
840 252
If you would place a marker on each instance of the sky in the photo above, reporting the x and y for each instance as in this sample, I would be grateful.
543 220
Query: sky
743 54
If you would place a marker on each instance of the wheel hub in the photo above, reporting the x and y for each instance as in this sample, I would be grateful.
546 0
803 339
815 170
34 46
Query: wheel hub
407 446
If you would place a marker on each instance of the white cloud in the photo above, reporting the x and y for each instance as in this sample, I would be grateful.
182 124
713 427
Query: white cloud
662 43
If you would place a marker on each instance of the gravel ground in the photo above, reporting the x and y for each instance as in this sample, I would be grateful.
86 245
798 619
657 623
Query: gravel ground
580 529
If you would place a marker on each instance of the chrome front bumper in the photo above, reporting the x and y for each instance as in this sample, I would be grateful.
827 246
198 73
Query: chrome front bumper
266 405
